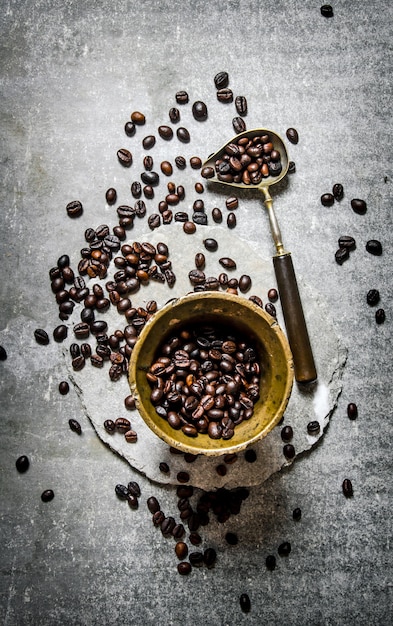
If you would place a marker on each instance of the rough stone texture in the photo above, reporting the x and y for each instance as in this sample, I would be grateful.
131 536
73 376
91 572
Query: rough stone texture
71 75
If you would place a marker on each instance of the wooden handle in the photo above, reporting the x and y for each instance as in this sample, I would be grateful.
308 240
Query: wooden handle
299 341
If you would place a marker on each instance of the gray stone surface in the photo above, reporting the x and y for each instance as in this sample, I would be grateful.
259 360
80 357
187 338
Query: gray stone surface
71 75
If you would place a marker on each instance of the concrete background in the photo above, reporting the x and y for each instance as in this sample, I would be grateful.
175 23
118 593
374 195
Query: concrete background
71 75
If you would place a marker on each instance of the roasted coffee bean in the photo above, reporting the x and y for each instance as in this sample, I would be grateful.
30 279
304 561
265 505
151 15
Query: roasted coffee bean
239 125
174 115
380 316
110 426
154 221
225 95
271 309
250 456
41 336
272 294
189 228
200 260
209 556
181 550
165 132
134 489
291 167
352 411
245 603
22 464
184 568
199 188
221 80
129 402
166 168
47 495
158 518
122 424
313 428
373 246
75 426
164 467
111 195
271 562
284 549
167 525
289 451
241 105
78 363
217 215
296 514
373 297
153 504
74 208
64 387
86 350
149 142
150 178
181 97
181 216
136 189
199 110
183 477
341 255
327 10
207 172
129 129
231 538
287 433
195 538
210 244
125 157
121 491
338 191
3 353
346 241
181 162
232 203
138 118
195 162
227 263
244 283
196 559
60 333
327 199
359 206
231 220
200 218
131 436
292 135
347 488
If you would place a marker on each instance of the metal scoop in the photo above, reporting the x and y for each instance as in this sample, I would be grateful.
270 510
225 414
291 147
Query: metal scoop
305 371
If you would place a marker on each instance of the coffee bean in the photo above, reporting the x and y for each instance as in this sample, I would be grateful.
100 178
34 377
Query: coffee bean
181 97
22 464
195 163
207 172
75 426
47 495
200 218
74 208
122 424
209 556
239 125
148 142
199 110
165 132
271 562
373 297
287 433
158 518
232 203
225 95
125 157
241 105
3 354
150 178
284 549
296 514
41 337
373 246
78 363
292 135
231 538
129 129
153 504
227 263
359 206
250 456
164 467
60 333
184 568
111 195
291 167
196 559
380 316
272 294
166 168
180 162
245 603
210 244
313 428
64 387
244 283
341 255
217 215
148 163
347 488
352 411
346 241
138 118
131 436
183 477
338 191
121 491
174 115
327 199
289 451
181 550
327 10
221 80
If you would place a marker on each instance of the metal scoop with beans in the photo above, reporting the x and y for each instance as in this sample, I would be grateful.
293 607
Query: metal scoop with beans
258 159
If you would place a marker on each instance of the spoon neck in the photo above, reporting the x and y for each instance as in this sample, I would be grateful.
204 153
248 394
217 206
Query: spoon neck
274 227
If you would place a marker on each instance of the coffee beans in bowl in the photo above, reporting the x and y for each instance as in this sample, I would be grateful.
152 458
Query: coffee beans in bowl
211 373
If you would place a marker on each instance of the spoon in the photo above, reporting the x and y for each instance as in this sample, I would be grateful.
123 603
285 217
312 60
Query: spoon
299 341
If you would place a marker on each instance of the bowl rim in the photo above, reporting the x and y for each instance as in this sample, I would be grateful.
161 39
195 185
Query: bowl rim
194 448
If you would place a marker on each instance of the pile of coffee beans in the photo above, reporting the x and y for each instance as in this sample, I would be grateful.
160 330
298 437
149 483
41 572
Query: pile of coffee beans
205 381
247 161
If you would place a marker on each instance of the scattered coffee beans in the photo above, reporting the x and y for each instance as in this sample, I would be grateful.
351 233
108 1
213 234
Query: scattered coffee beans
271 562
221 80
47 495
347 488
380 316
199 111
284 549
245 603
296 514
75 426
74 208
338 191
138 118
359 206
327 10
373 297
352 411
373 246
41 337
125 157
327 199
64 387
22 464
292 135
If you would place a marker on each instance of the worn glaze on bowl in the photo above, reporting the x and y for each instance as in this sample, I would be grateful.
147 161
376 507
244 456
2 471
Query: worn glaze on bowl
244 317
